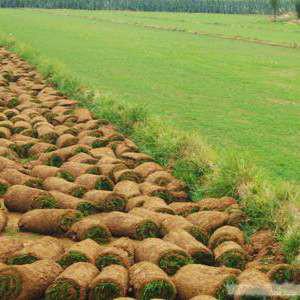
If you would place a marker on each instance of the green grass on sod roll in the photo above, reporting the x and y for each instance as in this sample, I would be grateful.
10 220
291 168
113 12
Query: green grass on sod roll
66 175
224 292
283 275
78 192
10 286
22 259
62 290
87 208
117 204
198 235
147 229
35 183
103 185
98 234
67 221
232 260
172 262
55 161
105 291
72 257
157 289
107 260
3 188
45 201
203 258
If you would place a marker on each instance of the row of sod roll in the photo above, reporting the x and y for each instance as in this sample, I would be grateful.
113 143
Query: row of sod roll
85 215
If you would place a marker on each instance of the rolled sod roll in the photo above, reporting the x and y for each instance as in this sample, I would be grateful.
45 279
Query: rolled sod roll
133 159
108 169
127 245
158 205
89 228
253 284
135 202
155 217
44 248
199 252
22 282
127 225
153 190
22 198
84 251
112 282
64 186
226 233
126 174
112 256
151 282
7 163
20 126
184 208
46 132
179 222
102 152
208 221
8 246
106 201
194 279
38 148
3 216
15 177
147 168
281 273
230 254
166 255
49 221
161 178
73 283
220 204
77 169
66 140
83 158
69 202
127 188
236 215
43 172
95 182
5 133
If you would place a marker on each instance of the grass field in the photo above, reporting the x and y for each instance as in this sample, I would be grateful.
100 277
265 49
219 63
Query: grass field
240 94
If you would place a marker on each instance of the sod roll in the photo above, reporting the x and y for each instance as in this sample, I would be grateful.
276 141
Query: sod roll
64 186
112 256
28 281
73 283
127 245
43 172
112 282
151 282
253 284
199 252
184 208
69 202
127 188
166 255
208 221
83 251
77 169
226 233
194 279
89 228
219 204
158 205
135 227
43 248
49 221
230 254
203 297
22 198
179 222
95 182
106 201
135 202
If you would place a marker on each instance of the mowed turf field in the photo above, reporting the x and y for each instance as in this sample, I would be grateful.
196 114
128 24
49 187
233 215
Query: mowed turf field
235 79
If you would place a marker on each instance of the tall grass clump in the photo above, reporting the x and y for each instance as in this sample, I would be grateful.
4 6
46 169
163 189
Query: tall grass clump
268 204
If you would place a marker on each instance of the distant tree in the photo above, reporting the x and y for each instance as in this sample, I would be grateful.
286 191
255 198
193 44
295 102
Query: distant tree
275 7
297 6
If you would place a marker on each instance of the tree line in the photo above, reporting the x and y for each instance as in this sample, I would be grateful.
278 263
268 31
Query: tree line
206 6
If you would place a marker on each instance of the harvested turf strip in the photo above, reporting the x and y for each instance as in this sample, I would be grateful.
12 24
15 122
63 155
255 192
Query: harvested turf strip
84 251
167 256
111 283
151 282
16 282
73 283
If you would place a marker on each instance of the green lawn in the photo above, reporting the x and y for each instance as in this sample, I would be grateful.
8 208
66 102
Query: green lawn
239 94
